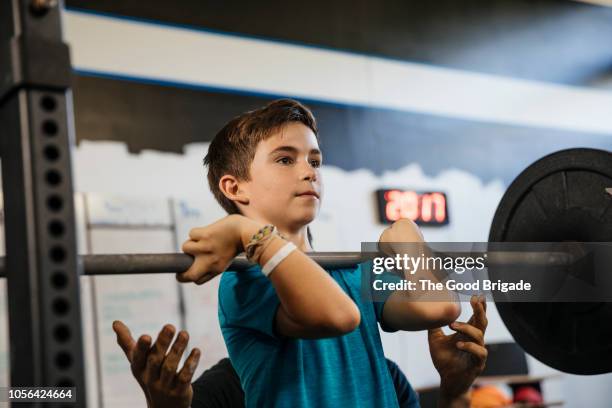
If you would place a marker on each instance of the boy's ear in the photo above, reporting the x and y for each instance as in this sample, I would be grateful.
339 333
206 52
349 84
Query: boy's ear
232 189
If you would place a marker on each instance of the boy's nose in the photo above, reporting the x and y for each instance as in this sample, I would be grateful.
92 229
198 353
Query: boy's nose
310 174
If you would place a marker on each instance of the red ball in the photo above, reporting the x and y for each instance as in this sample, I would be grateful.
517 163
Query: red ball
528 394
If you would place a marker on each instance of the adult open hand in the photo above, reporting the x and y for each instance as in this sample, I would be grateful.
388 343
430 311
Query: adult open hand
461 356
156 371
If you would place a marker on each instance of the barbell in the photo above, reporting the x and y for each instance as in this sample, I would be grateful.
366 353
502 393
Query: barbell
132 264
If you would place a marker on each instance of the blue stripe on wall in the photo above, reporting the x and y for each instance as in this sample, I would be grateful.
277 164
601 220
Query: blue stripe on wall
151 116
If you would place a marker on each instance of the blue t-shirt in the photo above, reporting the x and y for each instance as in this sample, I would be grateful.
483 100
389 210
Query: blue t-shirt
276 371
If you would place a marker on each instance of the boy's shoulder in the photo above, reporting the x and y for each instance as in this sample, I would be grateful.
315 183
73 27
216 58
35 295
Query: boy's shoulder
230 279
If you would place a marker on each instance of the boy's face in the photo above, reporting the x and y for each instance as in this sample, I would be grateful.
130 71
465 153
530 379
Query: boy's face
285 187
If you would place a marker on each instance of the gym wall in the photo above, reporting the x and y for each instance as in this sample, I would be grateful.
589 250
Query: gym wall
435 96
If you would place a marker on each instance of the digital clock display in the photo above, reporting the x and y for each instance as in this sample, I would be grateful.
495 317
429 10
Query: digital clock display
424 208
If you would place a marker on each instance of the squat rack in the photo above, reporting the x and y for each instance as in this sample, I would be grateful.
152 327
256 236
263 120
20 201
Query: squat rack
41 256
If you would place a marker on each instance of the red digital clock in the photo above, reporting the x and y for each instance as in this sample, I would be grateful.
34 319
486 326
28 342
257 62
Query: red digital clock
428 208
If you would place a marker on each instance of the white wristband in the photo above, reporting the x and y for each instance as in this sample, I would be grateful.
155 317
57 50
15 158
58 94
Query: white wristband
277 258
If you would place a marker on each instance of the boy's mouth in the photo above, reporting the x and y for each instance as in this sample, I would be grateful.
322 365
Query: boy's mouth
309 192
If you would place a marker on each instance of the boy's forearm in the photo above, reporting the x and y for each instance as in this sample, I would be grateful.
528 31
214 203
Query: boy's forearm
420 308
425 310
306 291
426 274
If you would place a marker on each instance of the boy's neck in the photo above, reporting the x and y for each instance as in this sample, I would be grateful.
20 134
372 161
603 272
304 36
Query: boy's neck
298 235
299 238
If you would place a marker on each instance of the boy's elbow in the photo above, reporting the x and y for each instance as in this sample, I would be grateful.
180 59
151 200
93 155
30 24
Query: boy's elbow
348 322
341 322
449 312
439 314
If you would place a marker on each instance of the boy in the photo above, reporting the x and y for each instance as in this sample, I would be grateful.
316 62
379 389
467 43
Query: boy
299 335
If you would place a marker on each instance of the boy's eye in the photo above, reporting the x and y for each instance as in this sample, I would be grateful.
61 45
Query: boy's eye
284 160
315 163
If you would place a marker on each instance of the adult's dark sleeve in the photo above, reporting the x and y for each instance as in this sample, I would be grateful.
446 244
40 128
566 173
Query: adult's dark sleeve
406 395
218 387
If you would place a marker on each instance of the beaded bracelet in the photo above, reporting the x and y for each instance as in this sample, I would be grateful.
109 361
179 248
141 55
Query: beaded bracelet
260 240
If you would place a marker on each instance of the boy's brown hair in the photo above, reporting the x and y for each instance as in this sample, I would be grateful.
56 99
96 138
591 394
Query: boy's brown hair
233 148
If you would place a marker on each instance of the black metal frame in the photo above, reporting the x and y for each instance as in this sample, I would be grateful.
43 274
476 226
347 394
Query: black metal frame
41 258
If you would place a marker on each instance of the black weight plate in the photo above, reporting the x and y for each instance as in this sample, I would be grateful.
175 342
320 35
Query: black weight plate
560 197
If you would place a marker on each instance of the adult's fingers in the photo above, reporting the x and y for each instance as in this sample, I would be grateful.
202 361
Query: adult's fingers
171 362
477 350
158 351
124 338
479 315
474 333
435 333
141 353
183 380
